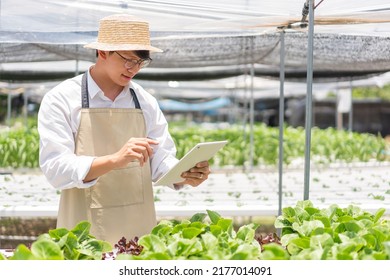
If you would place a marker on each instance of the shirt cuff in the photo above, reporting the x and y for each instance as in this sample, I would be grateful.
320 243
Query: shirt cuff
82 185
85 165
178 187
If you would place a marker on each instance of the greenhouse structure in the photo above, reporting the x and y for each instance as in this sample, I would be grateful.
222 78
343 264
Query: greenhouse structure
287 83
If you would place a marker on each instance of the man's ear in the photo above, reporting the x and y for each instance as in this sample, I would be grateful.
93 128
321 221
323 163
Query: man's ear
102 54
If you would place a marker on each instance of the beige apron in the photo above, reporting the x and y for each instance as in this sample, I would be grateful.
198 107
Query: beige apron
121 203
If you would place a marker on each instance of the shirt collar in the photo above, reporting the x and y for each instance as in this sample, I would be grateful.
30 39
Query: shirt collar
94 89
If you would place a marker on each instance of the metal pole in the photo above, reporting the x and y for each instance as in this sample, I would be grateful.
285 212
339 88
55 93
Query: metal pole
77 71
339 114
309 104
350 115
25 108
252 106
245 119
9 108
77 68
281 119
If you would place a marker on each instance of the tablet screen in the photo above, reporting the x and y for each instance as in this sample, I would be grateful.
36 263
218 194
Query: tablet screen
200 152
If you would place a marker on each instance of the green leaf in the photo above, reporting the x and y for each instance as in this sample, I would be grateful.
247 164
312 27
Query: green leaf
355 211
247 232
209 240
301 215
185 247
326 252
288 212
343 238
147 256
226 225
199 225
58 233
225 242
81 230
281 222
273 251
365 223
241 256
214 216
340 228
191 232
179 227
309 227
286 239
346 218
321 241
386 246
152 243
347 248
370 240
380 256
216 230
308 254
46 250
312 210
144 256
331 211
352 226
92 249
297 245
343 256
22 253
198 217
126 257
379 214
162 230
158 256
247 251
379 234
304 204
69 240
325 220
45 236
359 242
302 242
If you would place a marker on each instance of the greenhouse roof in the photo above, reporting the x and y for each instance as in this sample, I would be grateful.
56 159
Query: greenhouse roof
208 39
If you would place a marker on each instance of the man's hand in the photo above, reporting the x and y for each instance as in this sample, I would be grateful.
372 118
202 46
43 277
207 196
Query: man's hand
196 175
136 149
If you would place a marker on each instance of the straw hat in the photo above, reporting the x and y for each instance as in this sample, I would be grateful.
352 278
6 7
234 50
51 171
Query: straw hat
123 32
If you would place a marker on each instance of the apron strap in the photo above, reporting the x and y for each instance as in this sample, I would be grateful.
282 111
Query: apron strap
135 98
85 97
84 92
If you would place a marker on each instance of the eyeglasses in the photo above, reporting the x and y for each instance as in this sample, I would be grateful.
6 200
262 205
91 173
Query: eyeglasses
130 63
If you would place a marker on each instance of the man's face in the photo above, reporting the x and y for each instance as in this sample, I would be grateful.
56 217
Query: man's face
123 66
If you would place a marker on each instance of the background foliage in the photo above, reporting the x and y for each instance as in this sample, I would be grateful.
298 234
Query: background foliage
19 147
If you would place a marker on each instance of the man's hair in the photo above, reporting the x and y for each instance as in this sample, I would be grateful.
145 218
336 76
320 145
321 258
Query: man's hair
144 54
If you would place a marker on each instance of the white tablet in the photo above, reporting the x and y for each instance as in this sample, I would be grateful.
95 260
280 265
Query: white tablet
200 152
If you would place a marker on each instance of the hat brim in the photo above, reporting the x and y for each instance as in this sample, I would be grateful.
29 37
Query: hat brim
121 47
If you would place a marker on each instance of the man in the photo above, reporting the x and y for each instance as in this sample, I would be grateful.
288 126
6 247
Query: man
103 138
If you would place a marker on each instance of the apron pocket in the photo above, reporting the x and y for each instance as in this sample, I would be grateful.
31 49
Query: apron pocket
119 187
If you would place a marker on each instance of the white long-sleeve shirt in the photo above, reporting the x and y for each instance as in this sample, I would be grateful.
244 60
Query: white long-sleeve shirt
59 119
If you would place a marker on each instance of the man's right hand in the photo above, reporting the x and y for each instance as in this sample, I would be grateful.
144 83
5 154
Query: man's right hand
136 149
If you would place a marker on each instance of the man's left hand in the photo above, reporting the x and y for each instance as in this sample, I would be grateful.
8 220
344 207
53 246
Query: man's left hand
196 175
